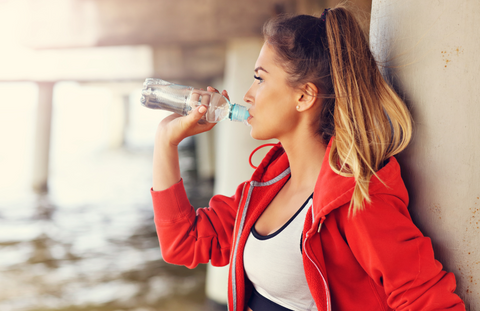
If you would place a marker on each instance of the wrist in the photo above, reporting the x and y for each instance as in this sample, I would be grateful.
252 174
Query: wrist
166 168
164 139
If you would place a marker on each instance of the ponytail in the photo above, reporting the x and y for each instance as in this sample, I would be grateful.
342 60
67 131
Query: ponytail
371 121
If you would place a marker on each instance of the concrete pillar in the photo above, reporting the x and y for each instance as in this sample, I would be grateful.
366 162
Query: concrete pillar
205 155
430 52
233 143
205 146
118 119
119 110
42 137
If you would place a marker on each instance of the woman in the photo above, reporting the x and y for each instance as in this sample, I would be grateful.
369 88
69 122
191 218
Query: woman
323 223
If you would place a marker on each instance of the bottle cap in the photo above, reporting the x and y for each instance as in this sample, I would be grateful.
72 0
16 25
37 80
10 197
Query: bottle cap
239 113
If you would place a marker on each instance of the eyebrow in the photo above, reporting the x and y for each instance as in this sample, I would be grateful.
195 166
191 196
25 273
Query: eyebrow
260 68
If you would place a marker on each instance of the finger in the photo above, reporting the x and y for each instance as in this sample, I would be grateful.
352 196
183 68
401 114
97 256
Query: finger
212 89
194 99
224 93
206 99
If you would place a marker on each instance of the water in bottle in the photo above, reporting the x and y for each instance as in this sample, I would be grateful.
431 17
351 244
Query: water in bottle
160 94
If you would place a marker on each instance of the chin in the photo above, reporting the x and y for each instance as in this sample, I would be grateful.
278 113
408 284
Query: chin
254 134
259 136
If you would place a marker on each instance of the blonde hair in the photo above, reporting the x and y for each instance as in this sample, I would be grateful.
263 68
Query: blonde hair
369 120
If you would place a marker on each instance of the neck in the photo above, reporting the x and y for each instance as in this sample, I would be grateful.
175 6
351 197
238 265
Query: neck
305 156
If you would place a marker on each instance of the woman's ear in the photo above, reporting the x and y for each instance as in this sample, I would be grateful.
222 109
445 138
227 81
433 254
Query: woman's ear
307 97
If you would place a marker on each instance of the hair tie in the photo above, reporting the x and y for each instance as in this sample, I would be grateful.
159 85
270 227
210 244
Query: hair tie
323 17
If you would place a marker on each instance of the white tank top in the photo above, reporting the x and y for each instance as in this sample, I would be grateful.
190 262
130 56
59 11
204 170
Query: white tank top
273 263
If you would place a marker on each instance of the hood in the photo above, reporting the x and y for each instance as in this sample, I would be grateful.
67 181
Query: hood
331 189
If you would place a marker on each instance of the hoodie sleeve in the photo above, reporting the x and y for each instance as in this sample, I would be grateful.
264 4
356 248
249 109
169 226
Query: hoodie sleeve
393 251
188 237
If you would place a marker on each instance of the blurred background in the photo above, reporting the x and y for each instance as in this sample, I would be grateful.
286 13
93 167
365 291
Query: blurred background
76 221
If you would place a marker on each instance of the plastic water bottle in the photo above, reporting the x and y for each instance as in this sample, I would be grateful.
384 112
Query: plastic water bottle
160 94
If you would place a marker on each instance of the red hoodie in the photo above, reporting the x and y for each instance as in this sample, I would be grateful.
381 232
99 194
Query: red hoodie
375 260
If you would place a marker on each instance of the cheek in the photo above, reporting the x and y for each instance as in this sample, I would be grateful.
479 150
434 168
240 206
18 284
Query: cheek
267 98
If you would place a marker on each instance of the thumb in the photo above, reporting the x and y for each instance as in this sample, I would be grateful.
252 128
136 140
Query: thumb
199 112
196 115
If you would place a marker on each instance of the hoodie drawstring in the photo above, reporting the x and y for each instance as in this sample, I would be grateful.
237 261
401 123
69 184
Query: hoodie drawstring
255 150
322 219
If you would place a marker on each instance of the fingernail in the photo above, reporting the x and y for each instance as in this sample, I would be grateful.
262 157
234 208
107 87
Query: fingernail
202 109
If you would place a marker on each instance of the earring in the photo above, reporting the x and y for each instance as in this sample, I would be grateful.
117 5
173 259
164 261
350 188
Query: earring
298 107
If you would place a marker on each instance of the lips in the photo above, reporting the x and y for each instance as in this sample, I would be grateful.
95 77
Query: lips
250 116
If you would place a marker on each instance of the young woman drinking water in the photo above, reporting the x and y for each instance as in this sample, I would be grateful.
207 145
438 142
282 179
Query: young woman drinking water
323 222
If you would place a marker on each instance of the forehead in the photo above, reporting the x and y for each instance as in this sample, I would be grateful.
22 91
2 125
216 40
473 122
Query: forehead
266 58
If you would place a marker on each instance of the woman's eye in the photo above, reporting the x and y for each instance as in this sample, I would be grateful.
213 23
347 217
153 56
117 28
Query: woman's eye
260 80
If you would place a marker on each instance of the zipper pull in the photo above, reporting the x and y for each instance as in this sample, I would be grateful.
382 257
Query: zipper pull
322 219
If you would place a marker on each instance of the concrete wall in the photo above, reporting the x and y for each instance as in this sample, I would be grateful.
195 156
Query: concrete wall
429 50
233 143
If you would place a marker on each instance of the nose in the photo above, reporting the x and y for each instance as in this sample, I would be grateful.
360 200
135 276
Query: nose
249 98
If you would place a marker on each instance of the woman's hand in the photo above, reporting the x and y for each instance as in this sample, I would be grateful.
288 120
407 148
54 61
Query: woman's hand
174 128
170 132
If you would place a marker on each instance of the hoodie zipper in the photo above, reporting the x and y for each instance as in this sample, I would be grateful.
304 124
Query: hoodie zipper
233 262
327 291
